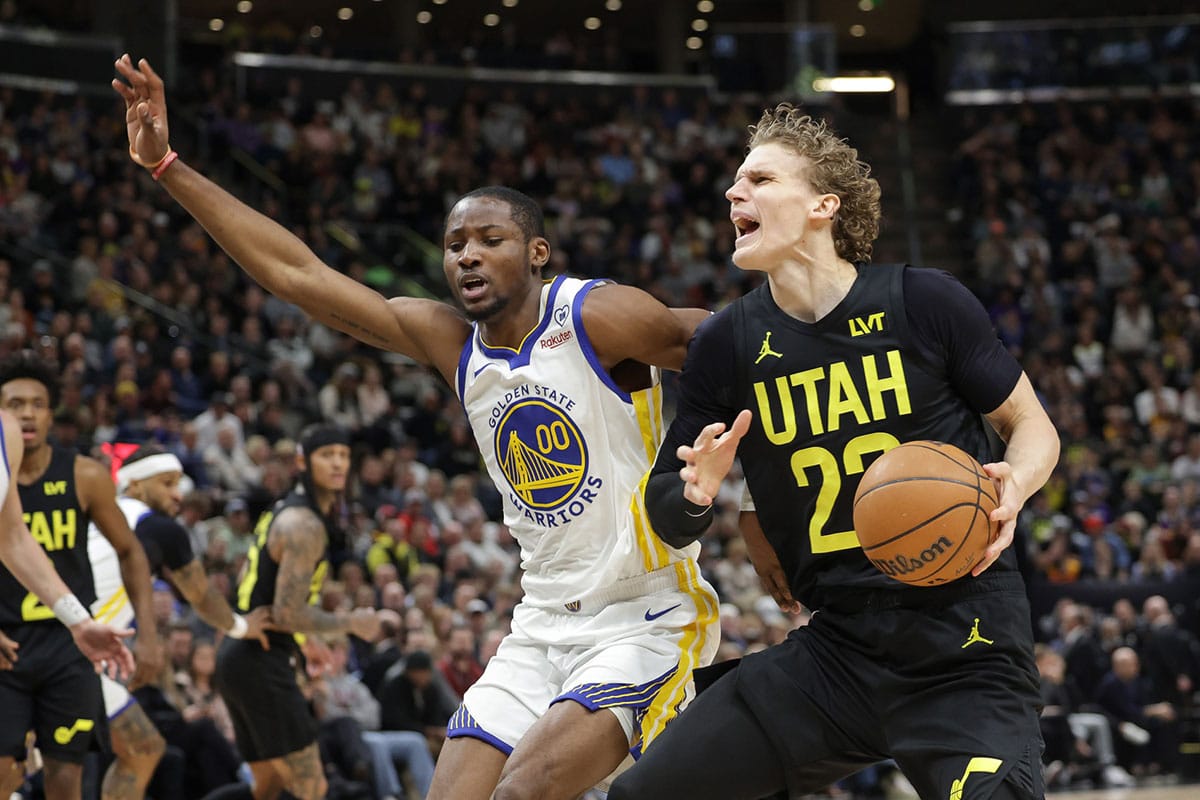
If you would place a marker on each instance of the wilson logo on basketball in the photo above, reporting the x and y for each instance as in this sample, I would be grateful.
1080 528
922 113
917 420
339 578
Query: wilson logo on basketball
550 342
904 565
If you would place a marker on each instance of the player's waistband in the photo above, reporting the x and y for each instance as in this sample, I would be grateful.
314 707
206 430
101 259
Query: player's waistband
849 600
673 577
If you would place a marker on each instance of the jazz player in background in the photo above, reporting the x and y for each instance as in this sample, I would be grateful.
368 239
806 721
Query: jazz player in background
99 643
275 728
57 695
148 482
559 382
829 363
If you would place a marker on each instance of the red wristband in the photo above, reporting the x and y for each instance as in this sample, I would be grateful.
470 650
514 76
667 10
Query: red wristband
167 161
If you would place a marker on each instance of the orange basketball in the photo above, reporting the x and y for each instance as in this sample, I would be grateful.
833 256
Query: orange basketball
921 513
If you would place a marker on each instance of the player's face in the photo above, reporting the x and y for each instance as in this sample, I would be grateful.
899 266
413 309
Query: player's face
487 260
162 493
770 205
328 467
29 401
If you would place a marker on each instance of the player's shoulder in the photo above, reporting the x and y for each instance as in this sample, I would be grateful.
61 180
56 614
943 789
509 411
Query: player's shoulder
88 470
931 281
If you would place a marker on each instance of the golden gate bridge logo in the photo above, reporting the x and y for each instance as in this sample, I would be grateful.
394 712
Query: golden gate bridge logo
541 453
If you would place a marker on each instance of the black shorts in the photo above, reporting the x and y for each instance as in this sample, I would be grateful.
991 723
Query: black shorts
53 691
948 689
270 716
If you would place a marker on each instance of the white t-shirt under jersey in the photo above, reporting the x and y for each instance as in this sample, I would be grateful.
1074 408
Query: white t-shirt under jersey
112 603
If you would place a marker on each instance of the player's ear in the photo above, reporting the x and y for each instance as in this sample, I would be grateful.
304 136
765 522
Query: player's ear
539 253
827 206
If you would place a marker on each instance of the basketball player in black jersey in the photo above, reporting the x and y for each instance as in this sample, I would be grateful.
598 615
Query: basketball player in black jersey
52 690
276 732
815 373
29 563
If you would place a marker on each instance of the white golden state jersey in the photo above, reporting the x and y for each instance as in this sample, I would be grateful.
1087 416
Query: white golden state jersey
112 603
569 450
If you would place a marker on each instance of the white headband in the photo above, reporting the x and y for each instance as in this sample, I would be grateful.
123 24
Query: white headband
147 467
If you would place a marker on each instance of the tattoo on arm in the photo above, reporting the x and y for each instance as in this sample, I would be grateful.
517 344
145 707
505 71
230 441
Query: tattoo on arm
193 584
301 537
358 327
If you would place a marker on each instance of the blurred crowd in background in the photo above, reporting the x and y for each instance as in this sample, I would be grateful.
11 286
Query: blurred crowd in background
1079 231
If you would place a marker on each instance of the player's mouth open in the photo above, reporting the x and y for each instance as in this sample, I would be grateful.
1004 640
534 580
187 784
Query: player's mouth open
472 286
745 227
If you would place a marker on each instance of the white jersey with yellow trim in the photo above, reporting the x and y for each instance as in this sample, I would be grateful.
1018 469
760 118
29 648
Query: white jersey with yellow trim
112 603
568 449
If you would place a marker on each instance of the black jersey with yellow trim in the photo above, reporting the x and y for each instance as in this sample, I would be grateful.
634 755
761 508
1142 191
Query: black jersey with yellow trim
257 585
908 354
58 522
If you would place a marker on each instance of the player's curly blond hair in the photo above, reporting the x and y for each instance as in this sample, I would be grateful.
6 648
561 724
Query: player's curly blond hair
834 168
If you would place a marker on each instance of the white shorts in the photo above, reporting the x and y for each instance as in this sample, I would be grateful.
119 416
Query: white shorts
632 652
116 697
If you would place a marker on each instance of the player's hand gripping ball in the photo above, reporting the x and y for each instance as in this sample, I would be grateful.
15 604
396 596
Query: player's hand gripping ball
922 513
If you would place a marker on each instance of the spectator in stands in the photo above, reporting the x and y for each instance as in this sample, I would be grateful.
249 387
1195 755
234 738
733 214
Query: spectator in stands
1145 725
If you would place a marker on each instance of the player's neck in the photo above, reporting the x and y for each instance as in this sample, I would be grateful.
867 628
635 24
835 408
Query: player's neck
324 498
34 462
511 325
808 290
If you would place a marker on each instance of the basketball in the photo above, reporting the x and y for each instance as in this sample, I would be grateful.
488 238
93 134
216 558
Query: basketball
922 512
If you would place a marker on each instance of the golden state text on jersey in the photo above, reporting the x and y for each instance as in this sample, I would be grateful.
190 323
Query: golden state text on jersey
542 454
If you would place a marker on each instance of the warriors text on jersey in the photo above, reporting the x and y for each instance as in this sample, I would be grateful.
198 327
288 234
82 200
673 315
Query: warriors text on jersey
59 525
829 397
567 448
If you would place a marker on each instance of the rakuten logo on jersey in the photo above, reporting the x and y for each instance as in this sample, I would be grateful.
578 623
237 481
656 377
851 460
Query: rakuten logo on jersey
550 342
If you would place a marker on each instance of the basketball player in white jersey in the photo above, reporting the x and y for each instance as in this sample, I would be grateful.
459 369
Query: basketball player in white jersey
560 382
149 497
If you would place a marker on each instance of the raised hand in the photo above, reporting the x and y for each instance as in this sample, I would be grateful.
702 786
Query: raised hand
707 462
145 111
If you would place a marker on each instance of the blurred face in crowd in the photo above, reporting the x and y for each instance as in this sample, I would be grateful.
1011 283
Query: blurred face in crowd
161 492
29 401
488 260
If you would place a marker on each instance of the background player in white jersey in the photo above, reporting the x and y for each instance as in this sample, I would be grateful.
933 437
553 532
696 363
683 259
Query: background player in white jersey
148 483
24 557
559 384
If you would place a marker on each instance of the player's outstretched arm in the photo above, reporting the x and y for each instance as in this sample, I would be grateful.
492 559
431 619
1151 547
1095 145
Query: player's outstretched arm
624 322
279 261
28 562
297 542
1029 459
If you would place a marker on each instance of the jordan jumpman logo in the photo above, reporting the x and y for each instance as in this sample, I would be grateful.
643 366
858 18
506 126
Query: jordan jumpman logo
975 637
766 350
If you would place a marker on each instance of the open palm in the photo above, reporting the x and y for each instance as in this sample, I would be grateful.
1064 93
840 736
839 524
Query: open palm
145 110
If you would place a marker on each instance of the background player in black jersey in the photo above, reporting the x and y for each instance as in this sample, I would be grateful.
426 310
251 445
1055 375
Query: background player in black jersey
276 732
150 498
60 491
101 644
807 379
